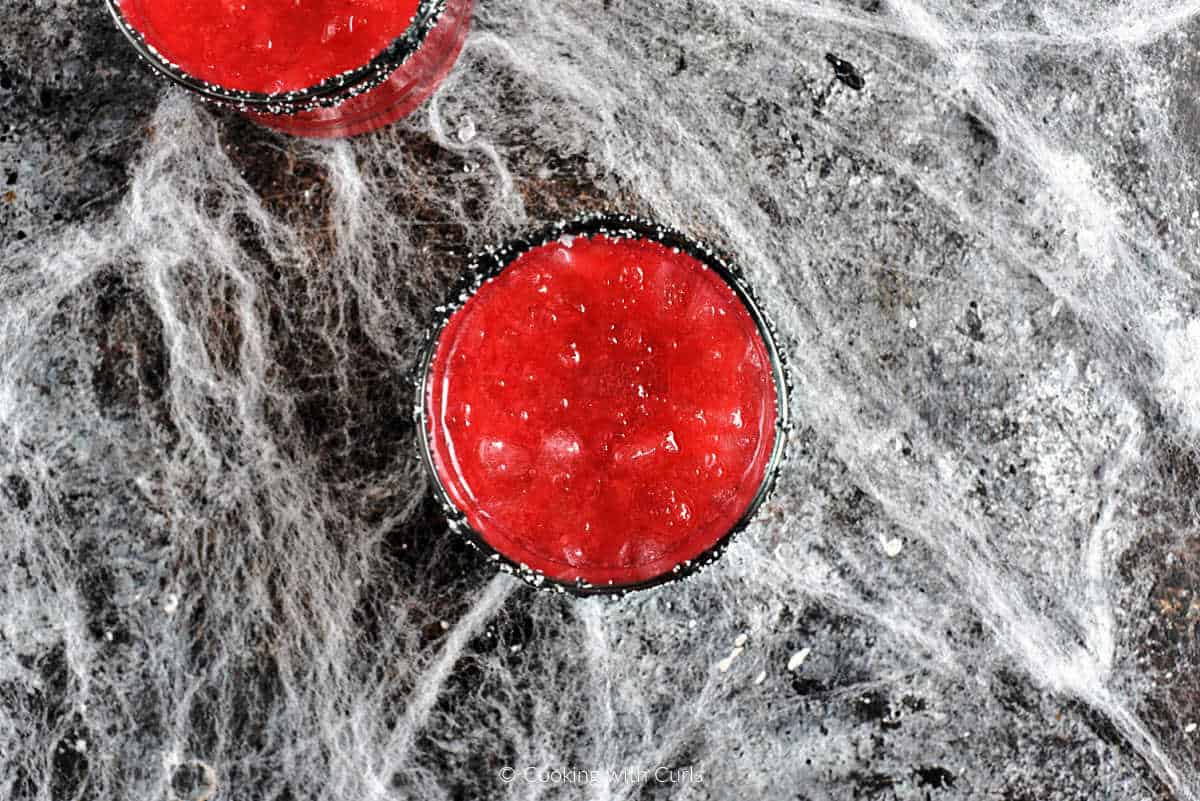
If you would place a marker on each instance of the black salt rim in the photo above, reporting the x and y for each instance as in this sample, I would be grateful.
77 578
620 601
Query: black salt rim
329 92
487 265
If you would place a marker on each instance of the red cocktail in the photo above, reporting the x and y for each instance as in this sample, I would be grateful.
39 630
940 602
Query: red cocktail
606 408
323 68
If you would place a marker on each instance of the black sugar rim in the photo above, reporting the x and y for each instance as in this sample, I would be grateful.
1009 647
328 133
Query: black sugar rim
490 263
329 92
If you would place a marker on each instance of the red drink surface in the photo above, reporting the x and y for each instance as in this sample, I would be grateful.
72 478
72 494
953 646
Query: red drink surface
603 409
269 46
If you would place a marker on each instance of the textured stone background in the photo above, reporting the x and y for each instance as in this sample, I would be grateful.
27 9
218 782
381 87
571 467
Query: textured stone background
976 227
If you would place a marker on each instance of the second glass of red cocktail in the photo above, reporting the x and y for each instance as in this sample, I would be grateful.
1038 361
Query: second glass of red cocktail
319 68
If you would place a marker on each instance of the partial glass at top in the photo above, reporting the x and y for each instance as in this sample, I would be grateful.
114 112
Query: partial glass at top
275 46
319 68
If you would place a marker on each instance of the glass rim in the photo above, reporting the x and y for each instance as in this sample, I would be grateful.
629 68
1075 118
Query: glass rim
327 92
491 262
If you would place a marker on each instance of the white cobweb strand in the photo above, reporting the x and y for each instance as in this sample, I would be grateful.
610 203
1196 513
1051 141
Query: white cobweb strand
866 227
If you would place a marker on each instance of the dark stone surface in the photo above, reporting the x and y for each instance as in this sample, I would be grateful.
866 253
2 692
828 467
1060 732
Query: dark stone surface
75 103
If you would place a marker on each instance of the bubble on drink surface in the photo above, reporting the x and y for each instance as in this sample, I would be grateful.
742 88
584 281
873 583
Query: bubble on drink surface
501 458
632 277
629 449
570 356
572 550
562 446
639 551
